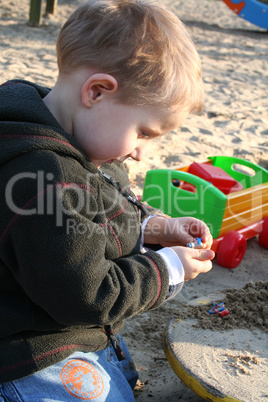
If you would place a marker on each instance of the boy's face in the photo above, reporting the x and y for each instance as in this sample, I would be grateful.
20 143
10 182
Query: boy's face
113 131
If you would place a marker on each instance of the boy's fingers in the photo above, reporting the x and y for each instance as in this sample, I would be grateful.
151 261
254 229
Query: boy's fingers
207 240
204 255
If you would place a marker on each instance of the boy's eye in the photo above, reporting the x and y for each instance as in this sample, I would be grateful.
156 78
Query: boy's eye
144 135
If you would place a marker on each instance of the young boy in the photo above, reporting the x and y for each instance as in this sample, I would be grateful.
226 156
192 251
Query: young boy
72 262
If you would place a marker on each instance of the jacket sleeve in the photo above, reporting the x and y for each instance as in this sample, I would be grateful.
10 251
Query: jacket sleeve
60 257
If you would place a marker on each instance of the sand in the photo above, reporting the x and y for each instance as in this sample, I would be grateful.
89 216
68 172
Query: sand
243 308
227 354
228 363
234 122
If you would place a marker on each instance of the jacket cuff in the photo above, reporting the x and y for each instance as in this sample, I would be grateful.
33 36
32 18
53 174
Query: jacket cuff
175 270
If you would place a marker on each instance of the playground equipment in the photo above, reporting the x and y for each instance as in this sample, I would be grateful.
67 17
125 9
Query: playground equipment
253 11
229 194
35 17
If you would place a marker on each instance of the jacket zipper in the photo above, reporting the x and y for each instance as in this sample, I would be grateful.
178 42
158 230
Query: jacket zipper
115 344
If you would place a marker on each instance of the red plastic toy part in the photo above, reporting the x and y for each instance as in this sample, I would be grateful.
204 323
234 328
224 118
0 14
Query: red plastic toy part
231 250
263 236
215 175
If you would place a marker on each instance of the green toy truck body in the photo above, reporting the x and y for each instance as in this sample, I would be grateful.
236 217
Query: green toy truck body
178 193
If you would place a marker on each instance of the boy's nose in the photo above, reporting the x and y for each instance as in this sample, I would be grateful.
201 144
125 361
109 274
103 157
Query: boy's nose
138 153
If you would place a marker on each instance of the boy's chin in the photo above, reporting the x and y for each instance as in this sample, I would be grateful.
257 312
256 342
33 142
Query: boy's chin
100 163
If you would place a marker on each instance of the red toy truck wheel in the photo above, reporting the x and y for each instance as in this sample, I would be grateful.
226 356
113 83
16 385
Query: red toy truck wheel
263 236
231 250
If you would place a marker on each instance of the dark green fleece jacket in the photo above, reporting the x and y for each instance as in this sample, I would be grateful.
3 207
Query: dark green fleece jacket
70 260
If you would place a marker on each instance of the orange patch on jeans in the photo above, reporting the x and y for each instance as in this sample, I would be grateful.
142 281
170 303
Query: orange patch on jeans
82 380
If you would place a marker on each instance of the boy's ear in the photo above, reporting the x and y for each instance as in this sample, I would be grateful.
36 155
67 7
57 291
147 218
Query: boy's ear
97 86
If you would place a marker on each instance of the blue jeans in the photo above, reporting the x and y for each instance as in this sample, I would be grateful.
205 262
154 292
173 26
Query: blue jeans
97 376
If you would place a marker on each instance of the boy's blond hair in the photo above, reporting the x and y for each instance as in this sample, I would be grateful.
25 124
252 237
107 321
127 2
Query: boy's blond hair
142 44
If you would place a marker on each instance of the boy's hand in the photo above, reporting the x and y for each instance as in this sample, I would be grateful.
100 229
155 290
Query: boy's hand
194 261
170 232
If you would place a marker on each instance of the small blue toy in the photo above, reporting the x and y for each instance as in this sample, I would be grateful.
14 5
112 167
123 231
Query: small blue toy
196 244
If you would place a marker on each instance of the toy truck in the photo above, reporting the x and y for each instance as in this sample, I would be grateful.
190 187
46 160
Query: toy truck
229 194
